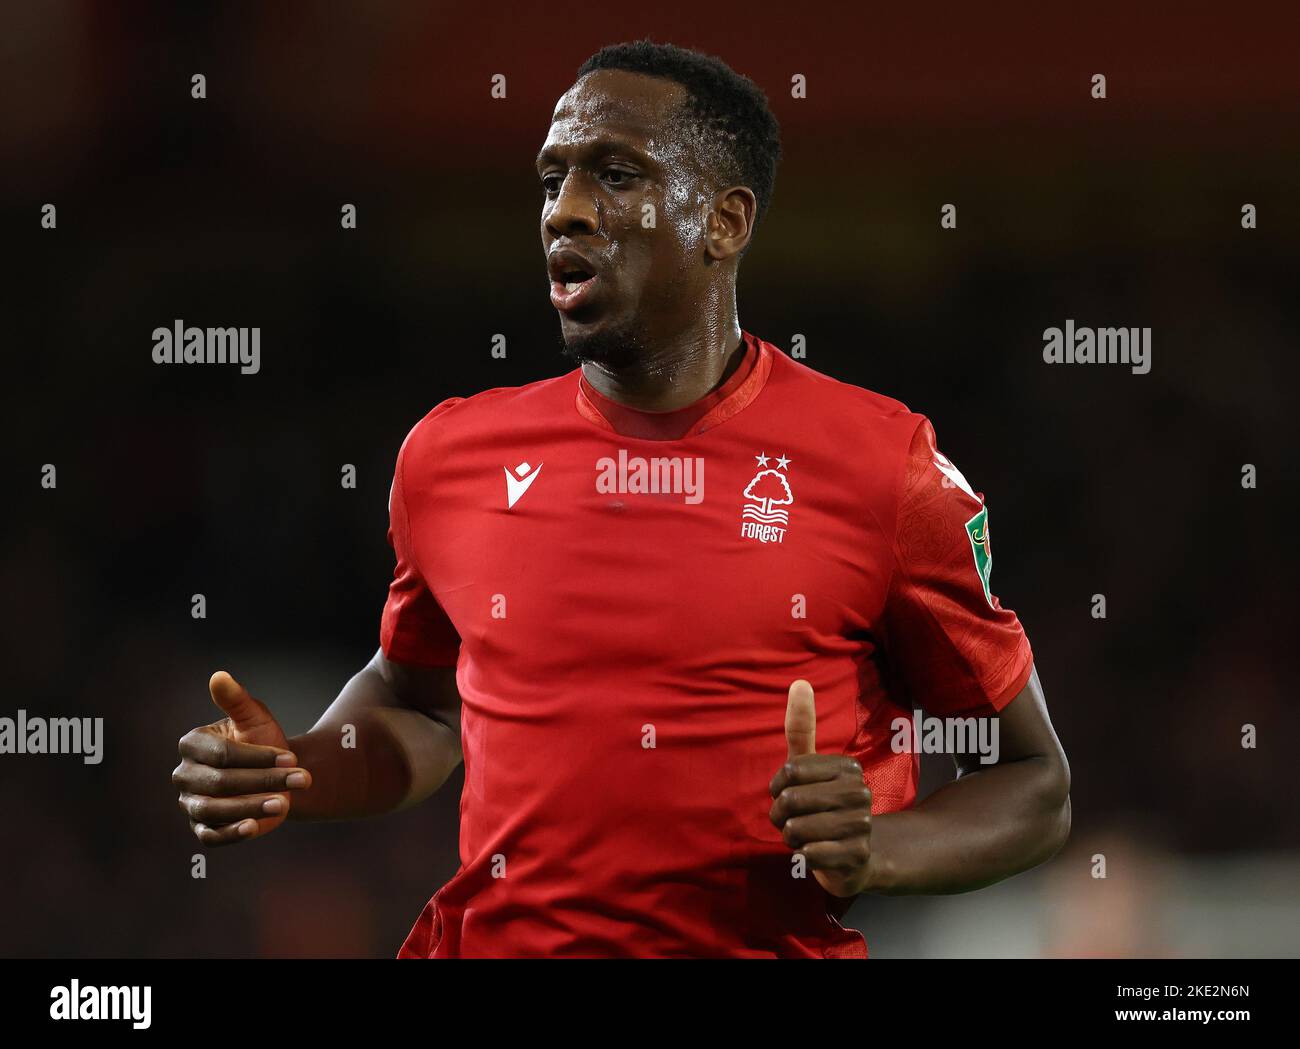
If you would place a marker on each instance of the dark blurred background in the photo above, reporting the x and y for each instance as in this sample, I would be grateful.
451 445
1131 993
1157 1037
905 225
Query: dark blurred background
225 211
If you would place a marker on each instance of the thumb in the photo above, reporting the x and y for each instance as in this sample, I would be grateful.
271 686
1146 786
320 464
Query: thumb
800 720
246 714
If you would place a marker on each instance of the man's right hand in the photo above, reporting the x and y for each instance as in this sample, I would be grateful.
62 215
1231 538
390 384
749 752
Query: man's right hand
236 775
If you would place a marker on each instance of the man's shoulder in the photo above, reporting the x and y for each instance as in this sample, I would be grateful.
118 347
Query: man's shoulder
839 405
486 411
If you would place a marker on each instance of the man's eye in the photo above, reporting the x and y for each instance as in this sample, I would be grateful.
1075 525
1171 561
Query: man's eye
551 183
618 177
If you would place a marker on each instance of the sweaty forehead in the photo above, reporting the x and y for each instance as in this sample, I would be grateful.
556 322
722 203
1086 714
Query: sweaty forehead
614 101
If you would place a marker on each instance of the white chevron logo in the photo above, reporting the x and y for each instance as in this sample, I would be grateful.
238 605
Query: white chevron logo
517 483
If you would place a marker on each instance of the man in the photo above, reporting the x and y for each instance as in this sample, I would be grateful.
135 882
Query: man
672 605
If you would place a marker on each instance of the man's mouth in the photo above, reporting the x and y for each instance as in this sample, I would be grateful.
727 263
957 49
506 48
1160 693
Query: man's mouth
570 293
572 281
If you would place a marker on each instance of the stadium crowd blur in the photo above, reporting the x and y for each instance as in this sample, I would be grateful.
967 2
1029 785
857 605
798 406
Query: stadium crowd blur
176 481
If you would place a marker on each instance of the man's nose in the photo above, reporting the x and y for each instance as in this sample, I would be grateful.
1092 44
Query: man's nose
574 210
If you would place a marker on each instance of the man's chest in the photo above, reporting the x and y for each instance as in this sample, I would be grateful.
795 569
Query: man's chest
704 554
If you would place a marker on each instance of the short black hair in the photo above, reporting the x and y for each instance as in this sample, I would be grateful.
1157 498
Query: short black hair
728 112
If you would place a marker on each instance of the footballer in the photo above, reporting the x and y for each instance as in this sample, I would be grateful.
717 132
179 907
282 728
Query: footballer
671 607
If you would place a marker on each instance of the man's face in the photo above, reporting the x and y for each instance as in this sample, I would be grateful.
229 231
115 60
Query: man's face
624 216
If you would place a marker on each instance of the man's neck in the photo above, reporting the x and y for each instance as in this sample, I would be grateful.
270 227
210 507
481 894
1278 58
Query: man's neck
675 374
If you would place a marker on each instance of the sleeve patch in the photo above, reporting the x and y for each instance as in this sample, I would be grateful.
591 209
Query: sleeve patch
977 528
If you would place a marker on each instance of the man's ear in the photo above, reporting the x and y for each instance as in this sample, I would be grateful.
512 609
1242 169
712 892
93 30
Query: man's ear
730 223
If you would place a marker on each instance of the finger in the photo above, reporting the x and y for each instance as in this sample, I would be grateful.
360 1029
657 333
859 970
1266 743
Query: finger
844 793
844 857
213 837
245 713
208 748
226 783
814 768
217 812
826 826
800 720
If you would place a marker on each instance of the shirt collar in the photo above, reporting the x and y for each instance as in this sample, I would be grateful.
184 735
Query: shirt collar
713 408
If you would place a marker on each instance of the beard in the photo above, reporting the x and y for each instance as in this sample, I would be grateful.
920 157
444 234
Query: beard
616 349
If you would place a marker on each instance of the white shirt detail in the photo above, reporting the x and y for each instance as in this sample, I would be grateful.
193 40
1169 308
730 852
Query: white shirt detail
953 474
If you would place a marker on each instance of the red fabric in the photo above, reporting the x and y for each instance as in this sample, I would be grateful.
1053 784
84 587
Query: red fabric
957 651
623 656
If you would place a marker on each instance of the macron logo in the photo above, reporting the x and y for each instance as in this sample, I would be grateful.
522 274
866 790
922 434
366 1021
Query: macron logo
517 483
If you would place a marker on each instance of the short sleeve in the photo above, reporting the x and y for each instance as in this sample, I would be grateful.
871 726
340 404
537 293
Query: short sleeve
413 629
947 637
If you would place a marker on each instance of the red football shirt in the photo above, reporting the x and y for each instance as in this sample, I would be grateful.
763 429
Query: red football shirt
626 597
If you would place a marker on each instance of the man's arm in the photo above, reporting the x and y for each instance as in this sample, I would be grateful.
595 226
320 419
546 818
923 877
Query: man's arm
405 742
240 778
989 823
